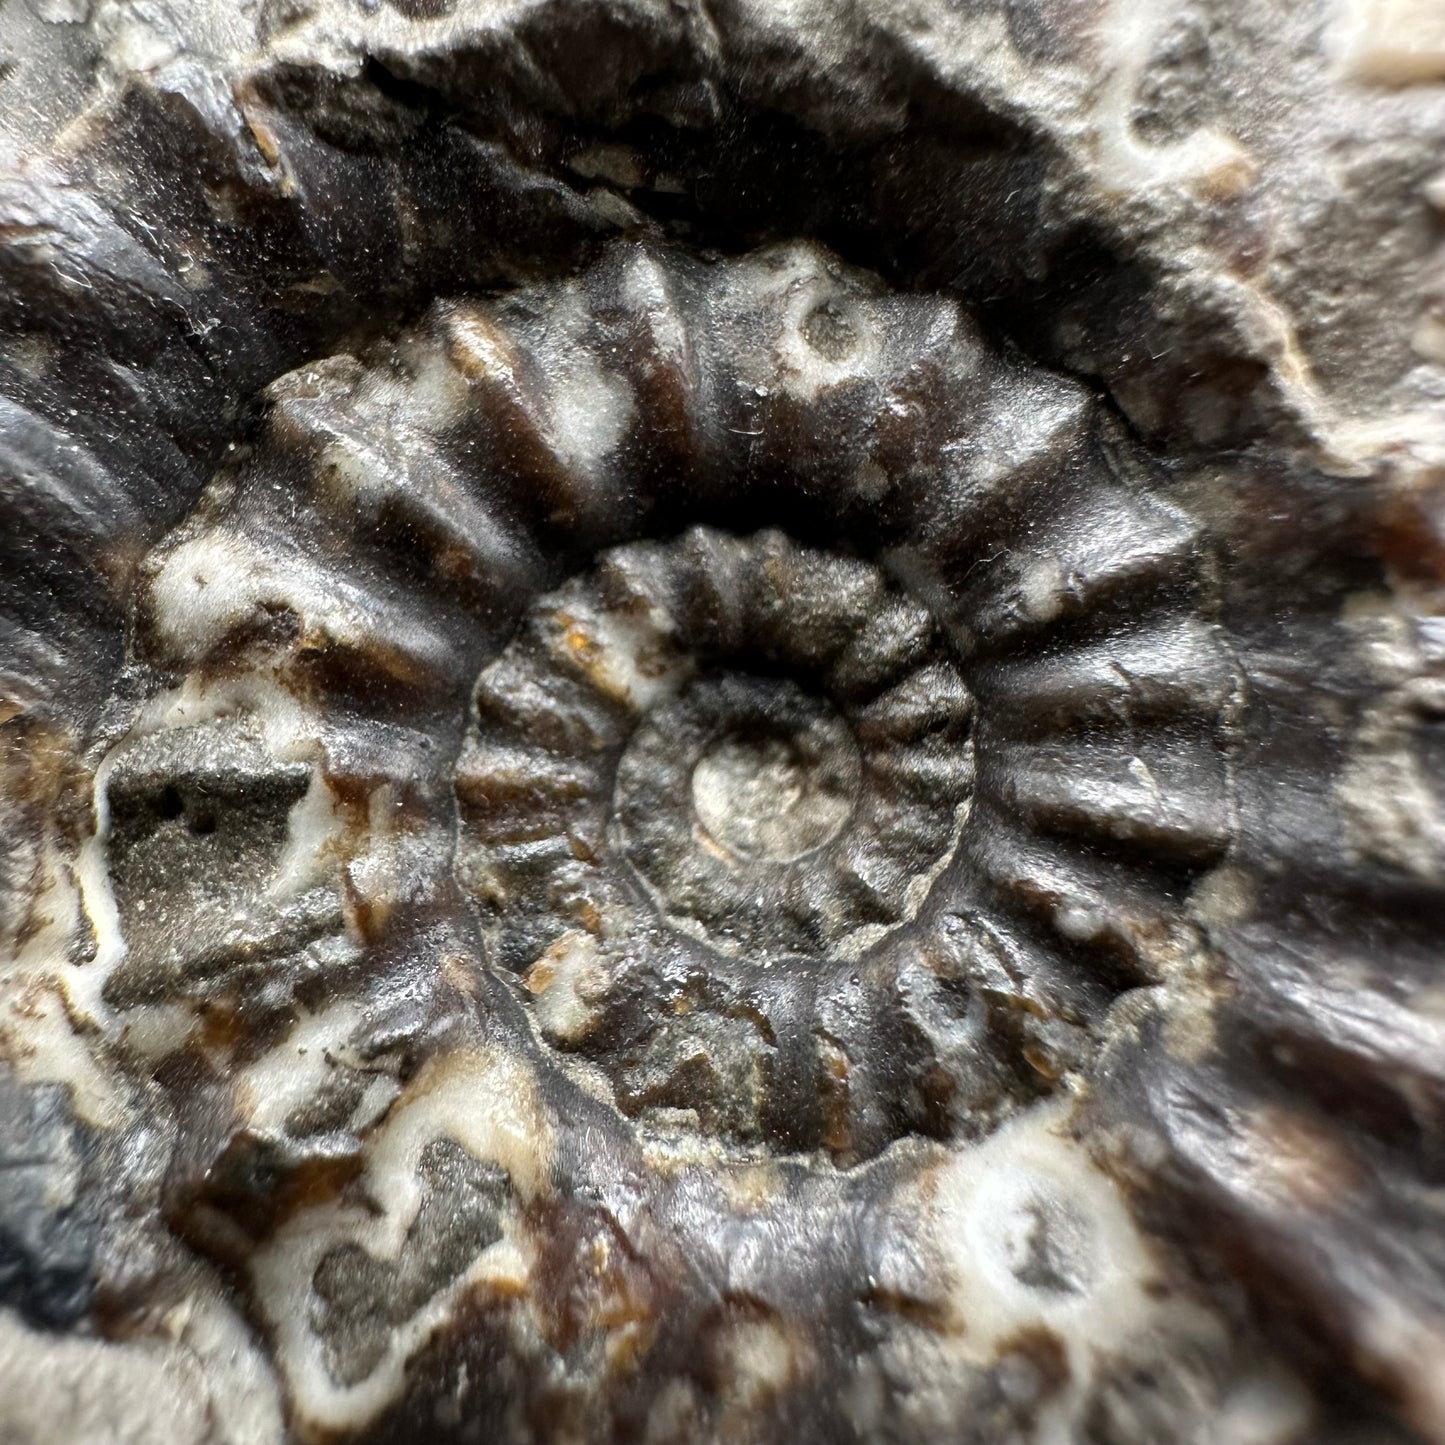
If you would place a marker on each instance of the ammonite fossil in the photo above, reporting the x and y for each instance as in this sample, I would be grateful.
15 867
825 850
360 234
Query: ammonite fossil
722 723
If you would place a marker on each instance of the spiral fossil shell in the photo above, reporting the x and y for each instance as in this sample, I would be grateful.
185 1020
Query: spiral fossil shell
721 724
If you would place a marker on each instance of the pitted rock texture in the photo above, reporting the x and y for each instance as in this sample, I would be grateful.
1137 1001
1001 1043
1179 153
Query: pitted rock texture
719 723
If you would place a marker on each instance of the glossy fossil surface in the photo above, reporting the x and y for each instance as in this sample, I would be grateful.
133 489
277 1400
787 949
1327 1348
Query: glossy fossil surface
657 790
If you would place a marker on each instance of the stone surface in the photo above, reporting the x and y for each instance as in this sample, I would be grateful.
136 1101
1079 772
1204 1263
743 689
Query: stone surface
721 723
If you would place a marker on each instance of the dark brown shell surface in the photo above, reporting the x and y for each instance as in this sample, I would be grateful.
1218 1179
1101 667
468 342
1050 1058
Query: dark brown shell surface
721 724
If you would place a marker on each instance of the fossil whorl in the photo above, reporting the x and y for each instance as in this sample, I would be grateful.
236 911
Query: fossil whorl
801 846
675 839
717 800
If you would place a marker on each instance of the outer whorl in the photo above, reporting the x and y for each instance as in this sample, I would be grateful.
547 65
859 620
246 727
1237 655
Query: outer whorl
717 727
